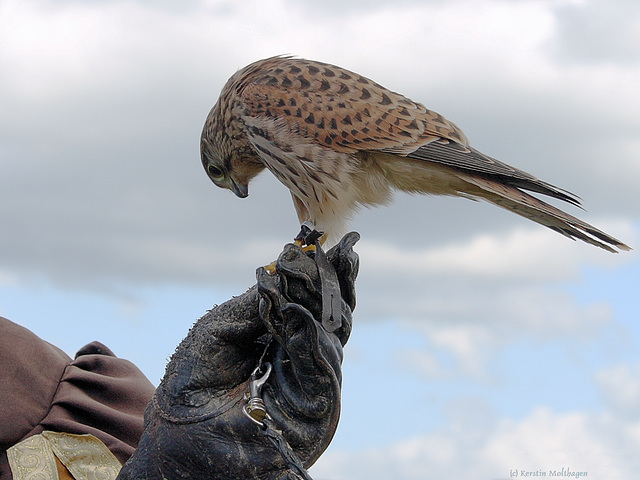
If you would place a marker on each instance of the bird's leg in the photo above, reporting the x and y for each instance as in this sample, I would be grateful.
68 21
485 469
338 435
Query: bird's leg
308 235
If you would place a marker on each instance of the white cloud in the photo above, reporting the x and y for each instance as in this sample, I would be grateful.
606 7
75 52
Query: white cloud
532 254
496 280
105 102
610 29
482 447
475 441
472 337
470 347
470 300
620 387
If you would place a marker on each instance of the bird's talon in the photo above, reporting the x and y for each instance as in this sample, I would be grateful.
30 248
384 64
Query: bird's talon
309 248
271 268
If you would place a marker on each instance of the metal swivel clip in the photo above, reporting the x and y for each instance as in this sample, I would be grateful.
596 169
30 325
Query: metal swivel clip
255 410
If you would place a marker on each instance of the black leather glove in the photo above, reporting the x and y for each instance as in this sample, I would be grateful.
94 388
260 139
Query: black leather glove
200 423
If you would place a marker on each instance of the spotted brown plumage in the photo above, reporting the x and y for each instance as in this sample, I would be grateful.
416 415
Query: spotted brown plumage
338 140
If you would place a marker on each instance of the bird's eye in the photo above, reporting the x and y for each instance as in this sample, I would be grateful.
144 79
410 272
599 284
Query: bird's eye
214 171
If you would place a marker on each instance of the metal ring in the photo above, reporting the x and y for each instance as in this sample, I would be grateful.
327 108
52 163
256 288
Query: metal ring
247 414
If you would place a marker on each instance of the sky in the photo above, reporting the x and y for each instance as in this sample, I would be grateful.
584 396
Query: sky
483 345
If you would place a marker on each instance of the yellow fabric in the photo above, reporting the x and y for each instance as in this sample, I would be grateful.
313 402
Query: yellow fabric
32 458
84 456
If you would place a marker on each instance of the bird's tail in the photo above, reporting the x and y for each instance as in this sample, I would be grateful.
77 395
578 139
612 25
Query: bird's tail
528 206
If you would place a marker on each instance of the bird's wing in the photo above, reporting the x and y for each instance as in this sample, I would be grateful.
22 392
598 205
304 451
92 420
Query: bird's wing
340 109
346 112
471 161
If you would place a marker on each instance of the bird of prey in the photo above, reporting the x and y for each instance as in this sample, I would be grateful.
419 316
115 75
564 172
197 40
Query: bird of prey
338 140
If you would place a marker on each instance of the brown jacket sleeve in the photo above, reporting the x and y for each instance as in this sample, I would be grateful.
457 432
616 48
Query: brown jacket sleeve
41 388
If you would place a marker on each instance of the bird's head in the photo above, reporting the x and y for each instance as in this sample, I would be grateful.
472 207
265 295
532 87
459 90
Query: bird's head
228 163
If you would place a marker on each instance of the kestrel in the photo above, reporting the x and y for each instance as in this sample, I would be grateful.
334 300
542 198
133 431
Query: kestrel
338 140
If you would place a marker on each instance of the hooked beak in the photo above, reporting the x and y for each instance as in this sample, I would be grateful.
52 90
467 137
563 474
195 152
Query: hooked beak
241 190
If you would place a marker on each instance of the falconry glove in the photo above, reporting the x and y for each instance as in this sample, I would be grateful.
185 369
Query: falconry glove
205 420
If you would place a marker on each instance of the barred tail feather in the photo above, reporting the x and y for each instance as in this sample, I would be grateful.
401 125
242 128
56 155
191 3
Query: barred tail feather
528 206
